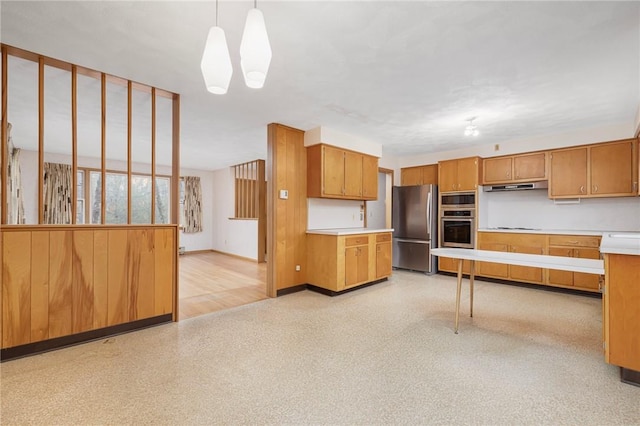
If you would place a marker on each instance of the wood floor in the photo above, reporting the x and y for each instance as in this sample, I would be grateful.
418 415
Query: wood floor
213 281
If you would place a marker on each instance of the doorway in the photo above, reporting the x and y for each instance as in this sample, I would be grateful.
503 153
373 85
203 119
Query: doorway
379 211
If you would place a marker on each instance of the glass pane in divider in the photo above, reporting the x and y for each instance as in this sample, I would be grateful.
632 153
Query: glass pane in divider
116 199
22 114
95 197
58 147
141 156
163 199
89 95
164 128
116 152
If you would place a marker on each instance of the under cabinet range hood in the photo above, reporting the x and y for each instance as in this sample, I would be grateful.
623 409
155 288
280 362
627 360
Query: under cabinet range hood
516 186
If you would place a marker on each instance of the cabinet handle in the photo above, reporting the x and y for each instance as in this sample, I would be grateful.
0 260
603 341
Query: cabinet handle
572 242
508 173
595 188
635 186
582 189
577 253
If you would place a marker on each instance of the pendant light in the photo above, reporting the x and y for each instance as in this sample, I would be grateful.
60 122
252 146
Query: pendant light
216 62
255 50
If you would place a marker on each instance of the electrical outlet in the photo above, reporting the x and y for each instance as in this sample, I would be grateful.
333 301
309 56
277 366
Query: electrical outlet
297 268
496 147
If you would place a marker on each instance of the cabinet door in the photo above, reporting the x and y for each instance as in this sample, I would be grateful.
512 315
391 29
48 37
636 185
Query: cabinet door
411 176
588 281
612 169
383 259
356 265
430 174
351 266
560 277
497 170
467 174
448 175
333 171
526 273
568 173
526 167
353 174
369 177
490 269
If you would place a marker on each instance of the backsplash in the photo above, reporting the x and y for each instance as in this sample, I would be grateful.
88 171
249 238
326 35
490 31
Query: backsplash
533 209
326 213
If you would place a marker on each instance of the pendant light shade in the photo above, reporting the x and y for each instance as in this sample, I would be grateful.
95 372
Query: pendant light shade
255 50
216 62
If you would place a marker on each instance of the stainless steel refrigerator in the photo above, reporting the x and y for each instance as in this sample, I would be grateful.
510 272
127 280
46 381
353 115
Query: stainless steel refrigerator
415 225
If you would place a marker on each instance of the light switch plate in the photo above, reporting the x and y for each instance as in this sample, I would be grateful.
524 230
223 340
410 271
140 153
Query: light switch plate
284 194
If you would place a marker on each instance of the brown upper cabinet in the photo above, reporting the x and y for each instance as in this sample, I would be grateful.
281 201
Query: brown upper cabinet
600 170
515 168
459 175
339 173
419 175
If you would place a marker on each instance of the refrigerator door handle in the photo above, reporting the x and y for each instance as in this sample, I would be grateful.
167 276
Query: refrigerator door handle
429 215
403 240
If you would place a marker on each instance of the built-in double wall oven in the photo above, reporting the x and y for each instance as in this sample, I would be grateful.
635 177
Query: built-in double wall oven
458 220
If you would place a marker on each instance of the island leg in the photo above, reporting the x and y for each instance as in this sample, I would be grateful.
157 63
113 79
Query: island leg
458 293
472 273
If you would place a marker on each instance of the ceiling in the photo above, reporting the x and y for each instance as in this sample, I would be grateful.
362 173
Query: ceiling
403 74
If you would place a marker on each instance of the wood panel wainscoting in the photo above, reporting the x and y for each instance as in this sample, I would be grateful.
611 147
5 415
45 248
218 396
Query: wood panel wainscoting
89 281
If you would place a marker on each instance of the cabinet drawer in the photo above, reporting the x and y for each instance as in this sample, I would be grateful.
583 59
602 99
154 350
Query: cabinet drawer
380 238
574 240
356 241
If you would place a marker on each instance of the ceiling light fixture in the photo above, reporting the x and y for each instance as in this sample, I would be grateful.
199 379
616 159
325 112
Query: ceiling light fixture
216 62
471 129
255 50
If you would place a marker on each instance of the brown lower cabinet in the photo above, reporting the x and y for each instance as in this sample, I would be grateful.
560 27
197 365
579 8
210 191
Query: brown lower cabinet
621 315
339 262
585 247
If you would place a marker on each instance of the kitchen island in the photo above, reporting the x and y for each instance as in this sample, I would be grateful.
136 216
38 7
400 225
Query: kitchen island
345 258
621 303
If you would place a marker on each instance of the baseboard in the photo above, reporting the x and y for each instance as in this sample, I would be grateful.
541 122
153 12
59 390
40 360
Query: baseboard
75 339
234 255
197 251
630 377
326 292
289 290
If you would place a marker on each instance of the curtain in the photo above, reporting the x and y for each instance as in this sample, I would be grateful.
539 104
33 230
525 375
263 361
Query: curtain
58 193
15 199
192 205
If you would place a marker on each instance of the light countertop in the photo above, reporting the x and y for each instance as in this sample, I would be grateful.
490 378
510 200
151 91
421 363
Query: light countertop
620 243
589 266
348 231
545 231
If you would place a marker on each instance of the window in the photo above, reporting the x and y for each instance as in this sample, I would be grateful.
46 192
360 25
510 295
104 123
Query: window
116 198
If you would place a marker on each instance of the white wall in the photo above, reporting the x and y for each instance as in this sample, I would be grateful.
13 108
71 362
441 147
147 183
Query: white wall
325 213
377 210
533 209
239 237
336 138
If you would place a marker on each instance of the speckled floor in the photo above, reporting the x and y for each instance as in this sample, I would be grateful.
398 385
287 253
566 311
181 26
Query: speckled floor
385 354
